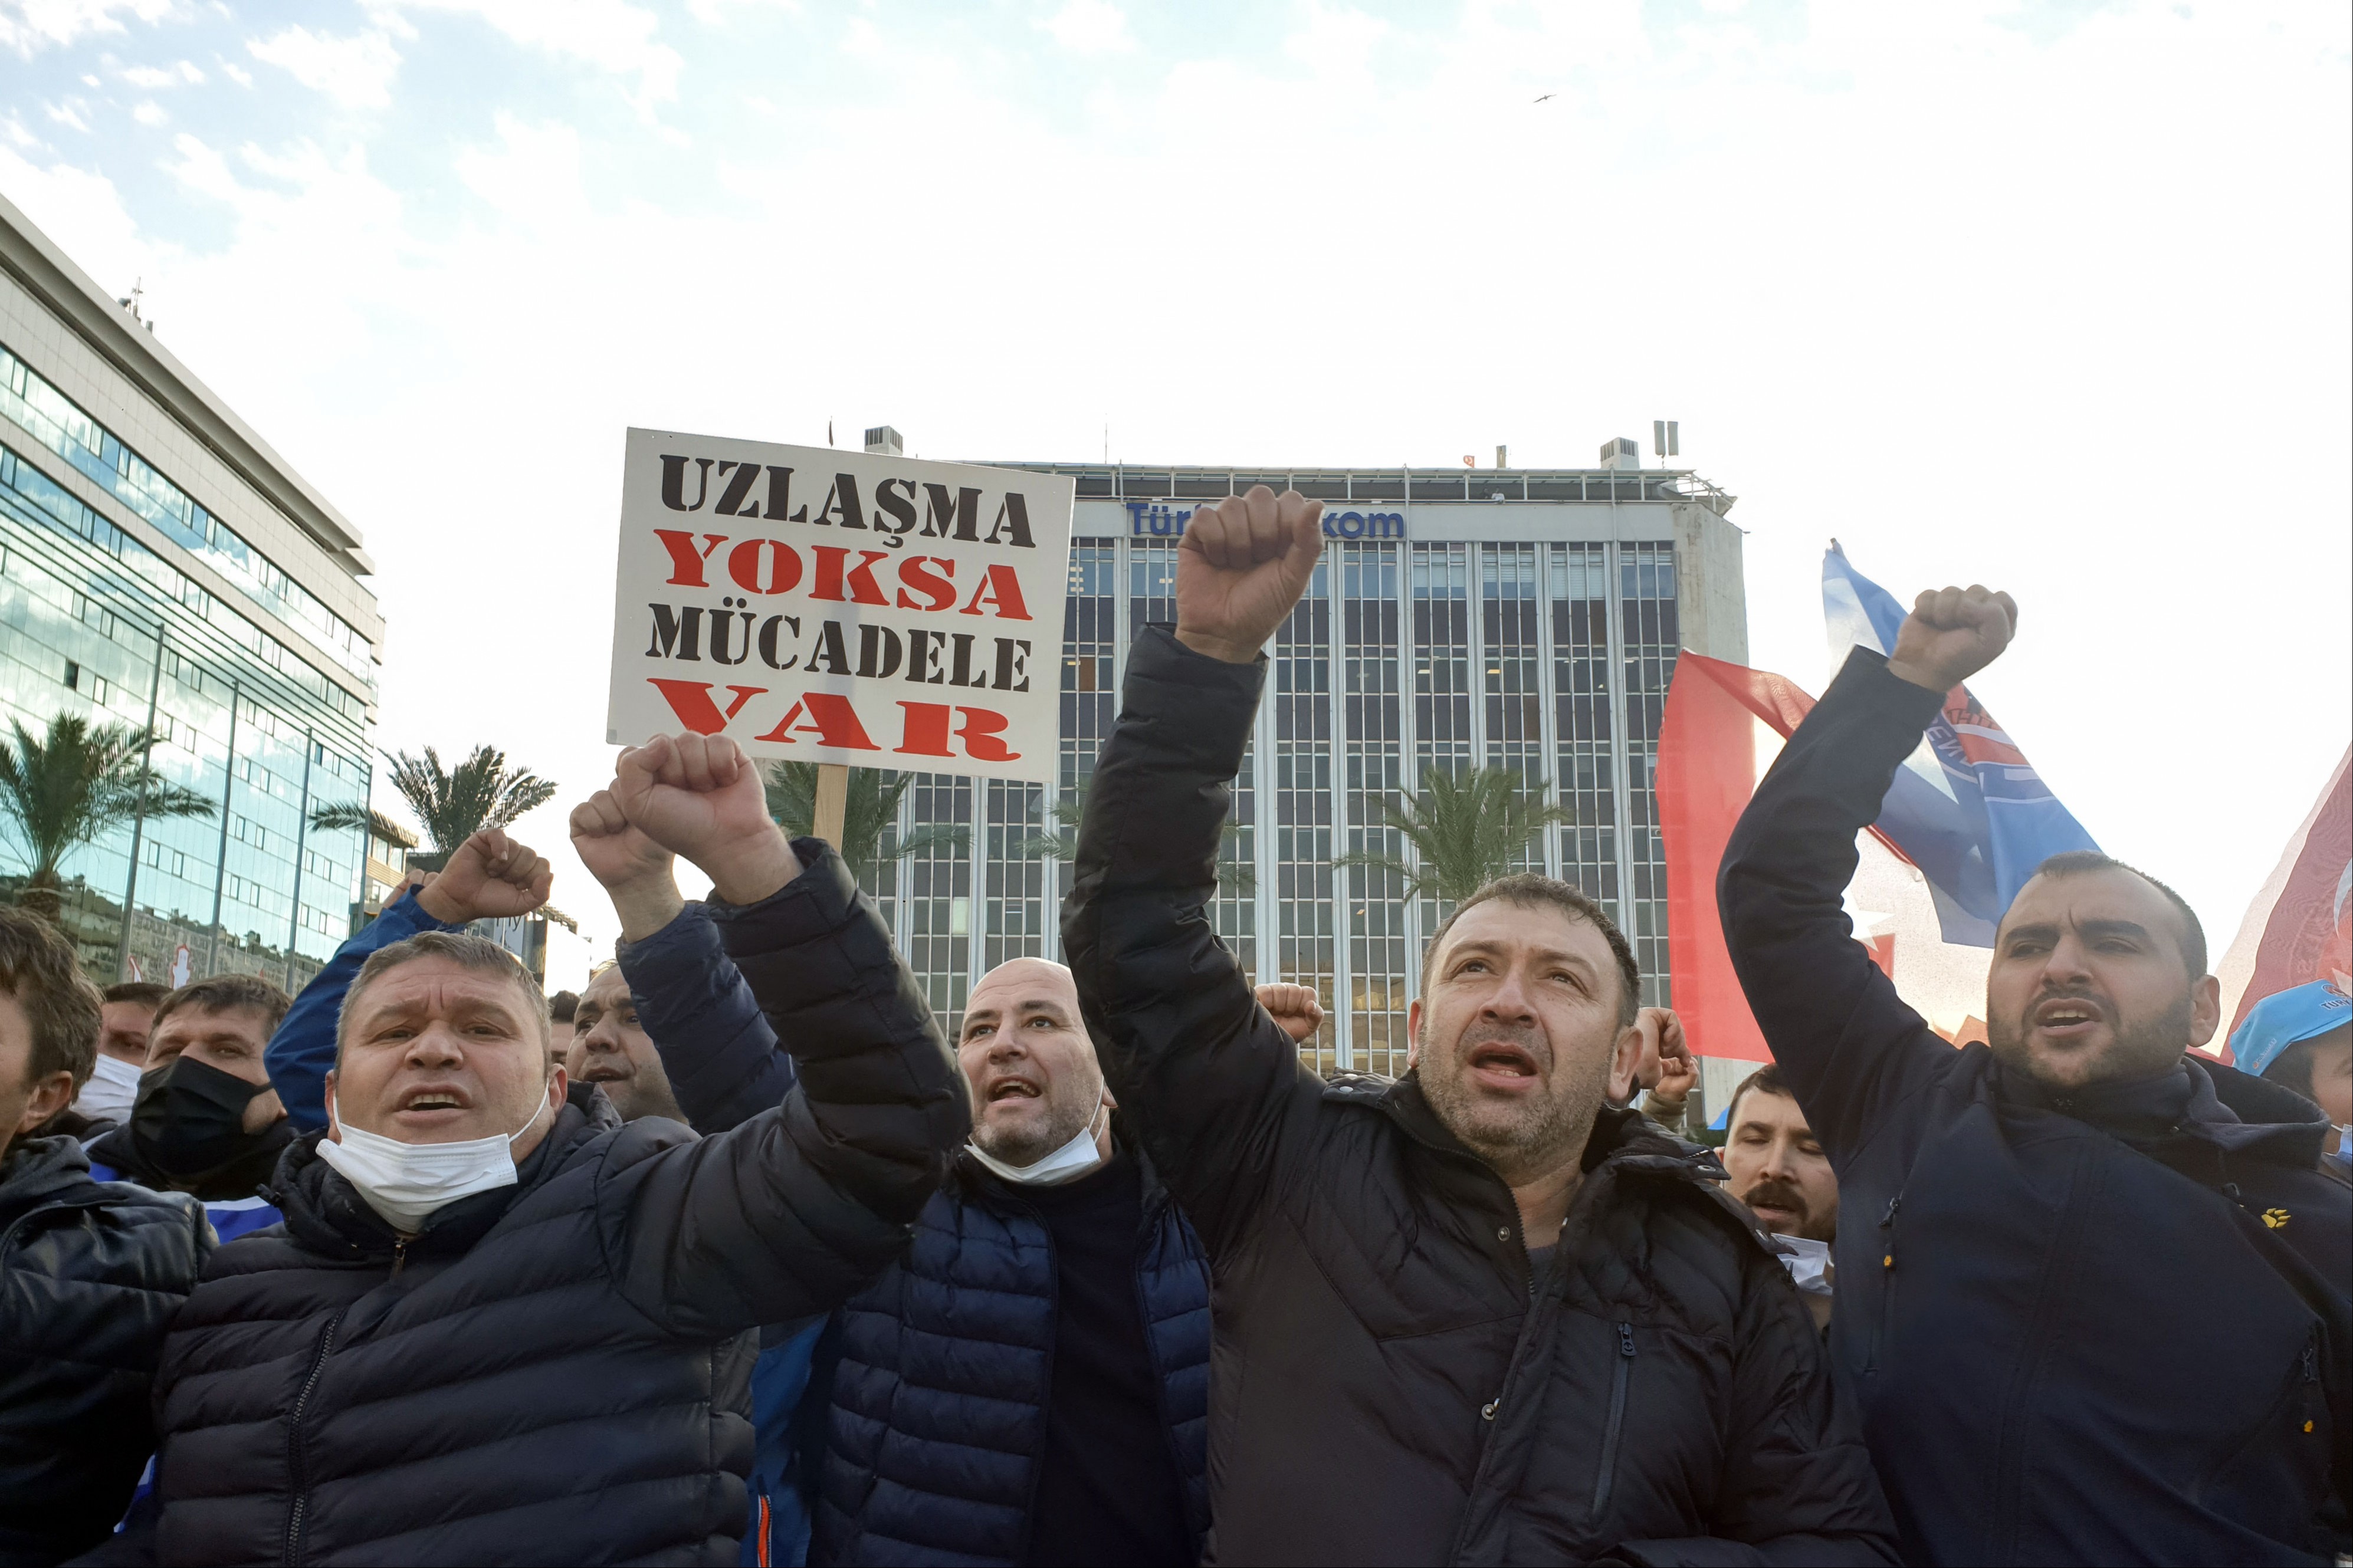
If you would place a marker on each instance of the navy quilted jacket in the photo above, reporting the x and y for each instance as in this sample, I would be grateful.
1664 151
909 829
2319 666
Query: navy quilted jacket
940 1386
939 1397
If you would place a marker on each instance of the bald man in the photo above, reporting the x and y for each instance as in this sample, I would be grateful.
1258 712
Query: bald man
1028 1384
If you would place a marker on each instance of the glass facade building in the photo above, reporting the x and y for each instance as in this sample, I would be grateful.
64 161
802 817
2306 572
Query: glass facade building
1519 619
161 568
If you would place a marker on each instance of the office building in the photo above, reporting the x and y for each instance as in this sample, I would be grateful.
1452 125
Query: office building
161 566
1521 618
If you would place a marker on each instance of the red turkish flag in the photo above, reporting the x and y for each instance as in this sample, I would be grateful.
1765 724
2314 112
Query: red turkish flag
2299 927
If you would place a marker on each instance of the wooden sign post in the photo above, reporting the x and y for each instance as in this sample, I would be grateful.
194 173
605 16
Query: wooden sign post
832 796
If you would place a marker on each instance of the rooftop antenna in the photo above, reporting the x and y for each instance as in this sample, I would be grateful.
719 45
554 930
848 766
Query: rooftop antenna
1666 438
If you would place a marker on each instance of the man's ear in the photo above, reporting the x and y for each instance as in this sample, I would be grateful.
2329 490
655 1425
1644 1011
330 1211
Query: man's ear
334 1121
1625 1059
2205 1009
52 1094
1413 1034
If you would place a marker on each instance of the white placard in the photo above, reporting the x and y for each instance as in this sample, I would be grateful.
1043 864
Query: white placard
829 606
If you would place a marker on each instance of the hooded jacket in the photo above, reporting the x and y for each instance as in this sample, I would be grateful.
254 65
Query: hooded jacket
557 1371
939 1372
1392 1382
91 1272
2109 1326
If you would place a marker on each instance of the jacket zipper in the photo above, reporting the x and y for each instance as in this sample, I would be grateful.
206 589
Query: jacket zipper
300 1505
1617 1380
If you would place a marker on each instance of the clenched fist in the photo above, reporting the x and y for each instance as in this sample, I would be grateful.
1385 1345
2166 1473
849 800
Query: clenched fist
1295 1008
634 869
489 877
1951 634
700 796
1240 566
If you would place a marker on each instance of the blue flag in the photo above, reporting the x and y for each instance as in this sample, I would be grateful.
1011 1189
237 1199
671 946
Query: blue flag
1968 807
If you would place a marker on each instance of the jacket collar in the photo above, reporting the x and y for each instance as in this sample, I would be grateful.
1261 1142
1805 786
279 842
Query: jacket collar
1629 1143
40 1171
240 1178
325 1214
2195 1105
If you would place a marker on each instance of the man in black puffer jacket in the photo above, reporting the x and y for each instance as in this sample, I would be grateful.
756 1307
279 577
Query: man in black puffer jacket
446 1356
89 1272
1476 1316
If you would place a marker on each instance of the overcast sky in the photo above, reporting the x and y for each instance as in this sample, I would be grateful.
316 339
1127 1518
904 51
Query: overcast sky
2049 296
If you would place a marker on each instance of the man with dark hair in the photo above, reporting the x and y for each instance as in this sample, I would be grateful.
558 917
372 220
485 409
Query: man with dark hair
563 1015
610 1049
1777 1167
89 1272
206 1120
499 1325
1478 1315
126 1014
2092 1292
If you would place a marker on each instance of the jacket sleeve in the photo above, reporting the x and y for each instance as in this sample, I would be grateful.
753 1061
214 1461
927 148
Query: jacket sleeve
788 1212
302 1052
1213 1087
1797 1486
723 1058
1849 1045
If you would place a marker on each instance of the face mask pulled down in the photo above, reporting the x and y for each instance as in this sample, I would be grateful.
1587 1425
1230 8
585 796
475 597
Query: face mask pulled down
1075 1158
408 1183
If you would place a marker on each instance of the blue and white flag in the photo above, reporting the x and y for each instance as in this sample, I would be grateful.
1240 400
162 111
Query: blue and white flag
1967 808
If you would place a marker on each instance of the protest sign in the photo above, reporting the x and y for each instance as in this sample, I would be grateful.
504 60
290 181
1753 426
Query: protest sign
827 607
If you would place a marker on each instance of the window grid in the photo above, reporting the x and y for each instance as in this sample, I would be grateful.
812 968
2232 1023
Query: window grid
1511 691
1441 674
1304 910
1650 638
1580 642
1373 759
935 927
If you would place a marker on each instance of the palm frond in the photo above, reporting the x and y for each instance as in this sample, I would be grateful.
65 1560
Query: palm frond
1465 829
76 783
339 816
452 804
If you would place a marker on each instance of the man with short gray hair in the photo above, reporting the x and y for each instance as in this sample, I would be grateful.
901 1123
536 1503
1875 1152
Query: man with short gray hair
1478 1315
499 1325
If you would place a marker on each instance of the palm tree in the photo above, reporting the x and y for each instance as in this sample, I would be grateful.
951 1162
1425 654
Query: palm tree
340 816
1237 877
867 812
72 786
451 805
1466 829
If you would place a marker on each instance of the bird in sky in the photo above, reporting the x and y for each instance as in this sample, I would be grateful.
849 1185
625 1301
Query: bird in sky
1547 95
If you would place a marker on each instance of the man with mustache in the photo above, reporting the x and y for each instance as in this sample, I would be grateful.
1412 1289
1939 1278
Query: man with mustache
1478 1315
2092 1292
1777 1168
610 1049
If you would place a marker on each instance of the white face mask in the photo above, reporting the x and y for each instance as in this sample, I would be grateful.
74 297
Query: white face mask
1809 1263
113 1085
406 1182
1075 1158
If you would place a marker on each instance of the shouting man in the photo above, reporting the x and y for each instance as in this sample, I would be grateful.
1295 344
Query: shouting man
2045 1231
1477 1315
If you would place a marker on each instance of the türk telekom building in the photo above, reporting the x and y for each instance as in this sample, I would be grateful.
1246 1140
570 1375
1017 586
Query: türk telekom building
1526 618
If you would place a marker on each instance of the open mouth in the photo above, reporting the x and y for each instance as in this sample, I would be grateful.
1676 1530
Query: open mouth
2068 1018
1014 1089
1499 1064
605 1072
432 1106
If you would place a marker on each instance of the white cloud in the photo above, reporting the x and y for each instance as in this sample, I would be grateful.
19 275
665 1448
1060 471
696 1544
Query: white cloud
28 25
154 76
1091 28
64 114
150 113
357 72
609 34
236 73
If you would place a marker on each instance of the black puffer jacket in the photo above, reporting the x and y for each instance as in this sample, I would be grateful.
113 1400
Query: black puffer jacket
91 1272
1389 1383
556 1372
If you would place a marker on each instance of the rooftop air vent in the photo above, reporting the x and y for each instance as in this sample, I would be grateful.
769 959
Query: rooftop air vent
884 440
1621 453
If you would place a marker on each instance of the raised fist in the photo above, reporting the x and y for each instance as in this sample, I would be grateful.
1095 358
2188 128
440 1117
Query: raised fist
1658 1058
700 796
1294 1008
489 877
1951 634
635 871
1240 566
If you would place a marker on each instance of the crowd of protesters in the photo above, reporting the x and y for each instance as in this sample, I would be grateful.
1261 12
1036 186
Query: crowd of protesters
732 1258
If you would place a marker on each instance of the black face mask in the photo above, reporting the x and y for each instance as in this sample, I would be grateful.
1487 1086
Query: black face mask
189 1118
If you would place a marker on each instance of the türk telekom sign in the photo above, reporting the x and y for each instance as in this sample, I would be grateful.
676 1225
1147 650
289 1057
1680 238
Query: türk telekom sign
821 605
